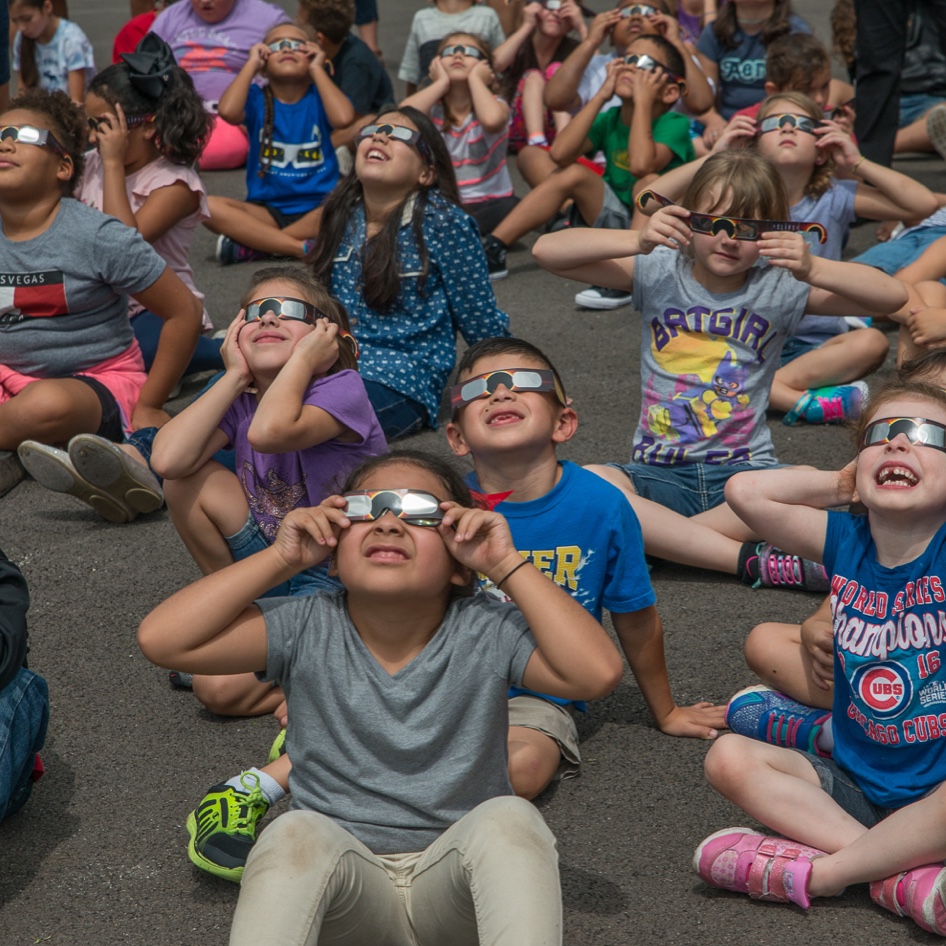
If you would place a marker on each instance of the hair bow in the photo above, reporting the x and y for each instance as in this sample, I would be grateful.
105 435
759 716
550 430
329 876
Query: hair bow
150 65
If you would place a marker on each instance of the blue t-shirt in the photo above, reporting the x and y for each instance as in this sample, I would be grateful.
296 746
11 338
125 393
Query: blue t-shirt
303 168
834 210
741 69
889 674
584 535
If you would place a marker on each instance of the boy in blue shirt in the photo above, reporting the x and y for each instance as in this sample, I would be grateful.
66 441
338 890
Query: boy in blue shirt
509 414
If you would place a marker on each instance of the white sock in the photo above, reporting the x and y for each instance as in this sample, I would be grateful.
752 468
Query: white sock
825 739
271 789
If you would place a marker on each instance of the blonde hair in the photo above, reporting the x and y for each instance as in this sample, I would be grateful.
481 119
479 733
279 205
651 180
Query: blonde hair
745 182
822 175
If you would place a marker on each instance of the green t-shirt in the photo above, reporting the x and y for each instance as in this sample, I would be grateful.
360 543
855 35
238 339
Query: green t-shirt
609 134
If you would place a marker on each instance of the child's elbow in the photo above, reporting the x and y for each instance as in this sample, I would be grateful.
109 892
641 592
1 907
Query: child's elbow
150 638
608 676
267 437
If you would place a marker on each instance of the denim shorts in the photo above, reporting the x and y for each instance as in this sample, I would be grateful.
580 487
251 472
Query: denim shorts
795 348
687 488
398 414
250 540
846 792
916 105
893 255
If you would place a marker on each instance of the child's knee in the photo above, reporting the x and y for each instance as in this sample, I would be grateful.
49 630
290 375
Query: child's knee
758 647
532 768
725 763
239 695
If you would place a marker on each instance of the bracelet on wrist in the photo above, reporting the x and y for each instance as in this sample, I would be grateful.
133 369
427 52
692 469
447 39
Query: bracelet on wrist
857 164
511 572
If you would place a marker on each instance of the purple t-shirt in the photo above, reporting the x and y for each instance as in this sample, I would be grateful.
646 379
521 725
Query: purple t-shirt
277 483
213 53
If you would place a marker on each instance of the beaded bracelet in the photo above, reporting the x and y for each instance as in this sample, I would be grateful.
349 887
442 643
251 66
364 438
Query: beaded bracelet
509 574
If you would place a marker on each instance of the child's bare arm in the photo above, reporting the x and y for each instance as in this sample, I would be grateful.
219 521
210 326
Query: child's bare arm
426 98
283 422
817 637
574 657
562 89
504 54
646 156
573 141
232 105
787 506
606 257
186 442
889 195
338 108
491 112
211 626
641 636
837 288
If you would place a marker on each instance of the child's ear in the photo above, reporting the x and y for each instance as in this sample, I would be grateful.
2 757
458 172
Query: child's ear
672 92
66 170
427 177
461 575
771 88
566 426
456 441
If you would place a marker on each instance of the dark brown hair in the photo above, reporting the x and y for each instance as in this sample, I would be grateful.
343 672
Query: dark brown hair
311 290
778 24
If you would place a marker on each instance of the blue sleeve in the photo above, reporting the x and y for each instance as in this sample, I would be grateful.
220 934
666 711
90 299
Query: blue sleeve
627 586
470 298
253 111
839 534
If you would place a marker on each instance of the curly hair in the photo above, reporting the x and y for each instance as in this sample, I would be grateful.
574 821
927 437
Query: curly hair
182 126
332 18
778 24
792 61
844 32
67 122
311 290
822 175
380 279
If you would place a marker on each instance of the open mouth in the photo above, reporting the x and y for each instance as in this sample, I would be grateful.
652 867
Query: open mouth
386 553
500 418
897 477
375 154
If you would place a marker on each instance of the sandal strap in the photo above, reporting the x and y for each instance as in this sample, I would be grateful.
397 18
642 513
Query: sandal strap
780 872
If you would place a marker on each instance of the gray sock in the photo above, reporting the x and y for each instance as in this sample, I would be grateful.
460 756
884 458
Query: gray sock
271 789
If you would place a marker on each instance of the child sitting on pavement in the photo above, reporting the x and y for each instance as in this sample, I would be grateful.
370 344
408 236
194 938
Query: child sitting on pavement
511 429
640 139
509 415
296 411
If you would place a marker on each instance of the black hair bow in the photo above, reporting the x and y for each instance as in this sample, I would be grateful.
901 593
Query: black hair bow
150 65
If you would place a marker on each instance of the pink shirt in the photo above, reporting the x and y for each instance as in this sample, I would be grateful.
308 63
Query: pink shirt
174 245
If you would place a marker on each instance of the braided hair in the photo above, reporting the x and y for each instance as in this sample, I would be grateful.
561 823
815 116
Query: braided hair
266 134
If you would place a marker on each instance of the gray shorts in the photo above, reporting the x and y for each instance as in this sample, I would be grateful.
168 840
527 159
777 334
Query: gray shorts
846 792
615 214
556 722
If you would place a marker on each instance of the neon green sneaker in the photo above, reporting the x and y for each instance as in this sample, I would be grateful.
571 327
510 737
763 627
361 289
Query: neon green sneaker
278 747
222 828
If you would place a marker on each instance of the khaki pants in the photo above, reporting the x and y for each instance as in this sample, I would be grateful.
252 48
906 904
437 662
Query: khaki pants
490 879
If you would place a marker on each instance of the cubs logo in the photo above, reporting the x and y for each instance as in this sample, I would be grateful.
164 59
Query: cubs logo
884 688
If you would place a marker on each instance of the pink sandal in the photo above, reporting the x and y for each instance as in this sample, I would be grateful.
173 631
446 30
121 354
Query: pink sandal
745 861
918 894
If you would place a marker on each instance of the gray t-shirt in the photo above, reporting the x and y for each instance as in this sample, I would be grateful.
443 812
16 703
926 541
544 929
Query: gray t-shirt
834 210
397 759
63 307
707 361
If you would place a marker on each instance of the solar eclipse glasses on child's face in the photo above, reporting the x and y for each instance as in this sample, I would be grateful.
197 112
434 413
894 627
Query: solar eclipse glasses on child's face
649 64
415 507
918 430
514 379
29 135
471 51
398 133
736 228
293 310
277 46
638 9
777 122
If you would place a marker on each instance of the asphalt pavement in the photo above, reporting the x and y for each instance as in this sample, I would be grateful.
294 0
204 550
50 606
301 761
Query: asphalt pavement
98 855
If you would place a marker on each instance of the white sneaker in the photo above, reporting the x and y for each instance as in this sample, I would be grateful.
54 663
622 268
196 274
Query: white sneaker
597 297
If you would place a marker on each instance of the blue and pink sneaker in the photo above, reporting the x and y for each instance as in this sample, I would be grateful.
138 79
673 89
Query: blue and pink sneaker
762 713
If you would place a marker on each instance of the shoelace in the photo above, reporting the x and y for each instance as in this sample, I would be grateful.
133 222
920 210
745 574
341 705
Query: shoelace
783 569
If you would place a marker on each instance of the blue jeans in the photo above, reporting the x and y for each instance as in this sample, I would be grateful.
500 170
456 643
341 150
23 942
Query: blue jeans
24 716
147 328
893 255
687 488
398 414
250 540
